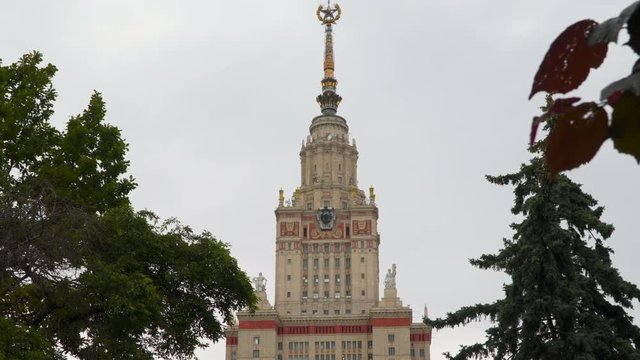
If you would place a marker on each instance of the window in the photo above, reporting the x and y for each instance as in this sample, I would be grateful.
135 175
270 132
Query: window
392 351
391 338
314 312
326 294
336 263
369 344
316 263
347 279
361 244
280 346
347 263
315 294
304 279
288 294
339 179
315 248
288 277
347 311
413 352
361 275
362 260
421 353
288 246
325 312
326 278
304 231
362 292
326 263
336 311
337 279
309 207
348 294
256 340
305 294
316 280
347 247
289 260
234 355
305 263
337 295
345 205
326 249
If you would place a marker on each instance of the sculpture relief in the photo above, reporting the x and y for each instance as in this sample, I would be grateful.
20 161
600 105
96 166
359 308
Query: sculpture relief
361 227
290 229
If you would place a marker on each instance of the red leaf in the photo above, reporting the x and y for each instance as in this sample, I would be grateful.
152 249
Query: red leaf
614 98
569 60
534 129
576 136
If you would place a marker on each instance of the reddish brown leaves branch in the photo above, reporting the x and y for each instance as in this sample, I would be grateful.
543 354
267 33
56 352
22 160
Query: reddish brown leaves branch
577 132
576 135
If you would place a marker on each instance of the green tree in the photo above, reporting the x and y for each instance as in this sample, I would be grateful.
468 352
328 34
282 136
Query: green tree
565 299
81 272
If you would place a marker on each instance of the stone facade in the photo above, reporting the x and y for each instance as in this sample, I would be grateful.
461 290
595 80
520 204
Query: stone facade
327 302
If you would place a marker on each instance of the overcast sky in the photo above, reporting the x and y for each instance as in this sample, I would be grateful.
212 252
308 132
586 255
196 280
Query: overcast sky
214 98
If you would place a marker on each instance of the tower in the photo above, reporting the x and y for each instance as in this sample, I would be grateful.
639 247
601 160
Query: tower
327 302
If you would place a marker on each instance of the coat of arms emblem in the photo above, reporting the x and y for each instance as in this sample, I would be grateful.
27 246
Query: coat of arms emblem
326 216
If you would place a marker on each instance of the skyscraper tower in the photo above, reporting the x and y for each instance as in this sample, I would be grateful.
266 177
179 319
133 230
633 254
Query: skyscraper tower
327 301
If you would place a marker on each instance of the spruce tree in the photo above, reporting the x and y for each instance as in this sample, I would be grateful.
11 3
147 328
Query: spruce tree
565 299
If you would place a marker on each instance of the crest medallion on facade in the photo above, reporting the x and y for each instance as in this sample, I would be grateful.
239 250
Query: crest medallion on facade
326 217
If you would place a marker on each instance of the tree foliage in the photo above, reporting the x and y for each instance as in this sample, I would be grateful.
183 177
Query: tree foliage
566 65
81 272
565 299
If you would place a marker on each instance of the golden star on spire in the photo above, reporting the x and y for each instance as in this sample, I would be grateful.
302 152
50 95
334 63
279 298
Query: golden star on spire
329 15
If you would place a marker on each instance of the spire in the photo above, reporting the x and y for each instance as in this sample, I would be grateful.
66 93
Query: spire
329 99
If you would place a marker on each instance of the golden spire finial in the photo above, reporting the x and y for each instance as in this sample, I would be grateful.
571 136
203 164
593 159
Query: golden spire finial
329 99
328 15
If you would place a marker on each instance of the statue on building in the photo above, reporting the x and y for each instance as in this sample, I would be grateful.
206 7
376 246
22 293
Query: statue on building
390 279
260 283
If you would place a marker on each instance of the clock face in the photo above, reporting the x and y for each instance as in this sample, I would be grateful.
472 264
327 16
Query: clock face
326 217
